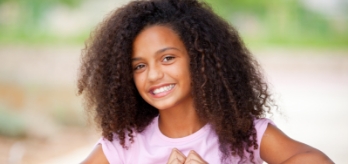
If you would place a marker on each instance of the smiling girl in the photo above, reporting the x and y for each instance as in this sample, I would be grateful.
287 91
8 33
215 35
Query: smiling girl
171 82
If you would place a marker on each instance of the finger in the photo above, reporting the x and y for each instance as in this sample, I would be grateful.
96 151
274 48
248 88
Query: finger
176 156
193 161
179 152
176 161
194 157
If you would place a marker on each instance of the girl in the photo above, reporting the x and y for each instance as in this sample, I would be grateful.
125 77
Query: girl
171 82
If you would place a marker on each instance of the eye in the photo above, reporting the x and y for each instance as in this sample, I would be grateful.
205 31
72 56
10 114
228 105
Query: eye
168 58
139 66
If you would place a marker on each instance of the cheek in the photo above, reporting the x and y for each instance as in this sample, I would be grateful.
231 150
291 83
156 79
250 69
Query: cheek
139 82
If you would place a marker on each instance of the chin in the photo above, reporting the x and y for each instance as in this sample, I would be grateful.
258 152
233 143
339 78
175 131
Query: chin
162 105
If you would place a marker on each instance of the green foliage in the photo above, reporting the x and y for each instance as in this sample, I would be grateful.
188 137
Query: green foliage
71 3
29 27
281 22
260 22
11 124
34 10
37 37
68 116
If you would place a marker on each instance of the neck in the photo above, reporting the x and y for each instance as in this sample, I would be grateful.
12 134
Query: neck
179 122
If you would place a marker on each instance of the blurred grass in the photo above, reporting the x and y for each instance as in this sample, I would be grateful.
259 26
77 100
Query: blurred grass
284 23
67 116
11 123
27 22
28 110
317 42
263 23
19 37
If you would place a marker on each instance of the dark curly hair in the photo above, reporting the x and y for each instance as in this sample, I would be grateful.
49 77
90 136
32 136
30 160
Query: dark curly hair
227 86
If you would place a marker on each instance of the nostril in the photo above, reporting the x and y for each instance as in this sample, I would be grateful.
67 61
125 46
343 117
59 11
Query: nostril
155 73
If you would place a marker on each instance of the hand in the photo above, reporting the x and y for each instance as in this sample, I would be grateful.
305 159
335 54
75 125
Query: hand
194 158
176 157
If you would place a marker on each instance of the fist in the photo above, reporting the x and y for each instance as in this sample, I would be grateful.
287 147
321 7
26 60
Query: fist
177 157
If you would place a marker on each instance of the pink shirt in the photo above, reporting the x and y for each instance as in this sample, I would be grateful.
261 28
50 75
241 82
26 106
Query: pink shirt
151 146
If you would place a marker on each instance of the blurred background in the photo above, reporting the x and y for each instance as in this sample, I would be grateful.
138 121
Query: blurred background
302 46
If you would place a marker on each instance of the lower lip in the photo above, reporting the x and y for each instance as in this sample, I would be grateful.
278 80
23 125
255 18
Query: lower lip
162 94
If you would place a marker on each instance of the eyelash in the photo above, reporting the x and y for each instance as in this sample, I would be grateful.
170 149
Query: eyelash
168 58
139 66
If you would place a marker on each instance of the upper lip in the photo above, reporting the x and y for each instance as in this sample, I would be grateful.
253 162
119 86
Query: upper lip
159 86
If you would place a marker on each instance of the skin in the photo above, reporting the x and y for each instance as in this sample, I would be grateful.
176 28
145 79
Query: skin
177 157
160 59
277 147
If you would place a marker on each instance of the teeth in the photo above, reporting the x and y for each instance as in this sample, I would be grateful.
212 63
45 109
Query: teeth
163 89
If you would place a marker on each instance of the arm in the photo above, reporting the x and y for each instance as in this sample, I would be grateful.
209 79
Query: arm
96 157
177 157
276 147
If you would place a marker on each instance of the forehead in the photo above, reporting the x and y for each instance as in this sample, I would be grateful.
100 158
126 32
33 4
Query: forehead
154 38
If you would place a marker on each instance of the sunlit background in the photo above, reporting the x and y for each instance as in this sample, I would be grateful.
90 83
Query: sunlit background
302 46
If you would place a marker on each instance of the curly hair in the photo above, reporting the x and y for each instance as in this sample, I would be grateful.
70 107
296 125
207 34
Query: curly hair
227 86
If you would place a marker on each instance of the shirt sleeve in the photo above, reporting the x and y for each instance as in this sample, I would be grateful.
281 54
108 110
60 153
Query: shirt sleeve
112 150
261 126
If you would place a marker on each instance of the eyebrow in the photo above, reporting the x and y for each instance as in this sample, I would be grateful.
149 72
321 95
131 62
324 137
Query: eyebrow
158 52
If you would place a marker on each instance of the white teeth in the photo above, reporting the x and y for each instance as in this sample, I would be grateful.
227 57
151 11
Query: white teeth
163 89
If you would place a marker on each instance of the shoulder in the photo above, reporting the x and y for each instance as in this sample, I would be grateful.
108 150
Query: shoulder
261 125
105 152
112 149
277 147
96 156
116 153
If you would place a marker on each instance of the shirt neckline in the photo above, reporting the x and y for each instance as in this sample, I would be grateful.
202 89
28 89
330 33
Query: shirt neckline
185 139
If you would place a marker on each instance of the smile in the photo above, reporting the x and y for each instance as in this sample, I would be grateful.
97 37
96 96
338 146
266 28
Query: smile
163 89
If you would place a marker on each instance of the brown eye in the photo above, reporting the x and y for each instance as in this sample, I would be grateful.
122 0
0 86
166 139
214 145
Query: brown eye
140 66
168 58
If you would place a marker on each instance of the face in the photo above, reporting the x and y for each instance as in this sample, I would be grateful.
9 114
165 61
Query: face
161 68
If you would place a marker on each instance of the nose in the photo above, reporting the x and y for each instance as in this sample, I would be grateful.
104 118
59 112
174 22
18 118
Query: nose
155 73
